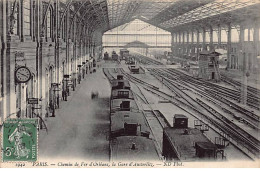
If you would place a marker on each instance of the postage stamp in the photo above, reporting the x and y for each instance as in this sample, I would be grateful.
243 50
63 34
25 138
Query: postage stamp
19 140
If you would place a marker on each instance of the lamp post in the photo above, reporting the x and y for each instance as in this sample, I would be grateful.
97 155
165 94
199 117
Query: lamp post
83 69
245 74
79 74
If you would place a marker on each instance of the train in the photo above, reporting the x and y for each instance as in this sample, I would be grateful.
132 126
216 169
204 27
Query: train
106 56
133 69
185 143
124 54
114 56
130 133
131 136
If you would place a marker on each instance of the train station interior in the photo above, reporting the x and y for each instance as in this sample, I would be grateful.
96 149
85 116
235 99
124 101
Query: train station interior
117 80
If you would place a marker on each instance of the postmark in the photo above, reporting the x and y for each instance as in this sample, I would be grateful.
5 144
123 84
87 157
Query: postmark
20 141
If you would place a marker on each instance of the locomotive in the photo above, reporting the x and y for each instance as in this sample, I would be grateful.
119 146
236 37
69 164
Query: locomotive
130 134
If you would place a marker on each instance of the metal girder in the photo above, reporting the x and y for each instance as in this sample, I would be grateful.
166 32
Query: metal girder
12 18
75 13
178 8
235 18
45 13
44 18
120 11
63 15
97 12
112 13
83 16
212 9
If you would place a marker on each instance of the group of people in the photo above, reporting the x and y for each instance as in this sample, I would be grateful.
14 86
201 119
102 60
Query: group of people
65 93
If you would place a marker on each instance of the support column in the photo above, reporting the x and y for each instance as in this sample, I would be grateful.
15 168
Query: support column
241 47
3 90
242 65
67 42
75 64
192 43
219 36
204 39
229 46
179 45
39 74
188 43
244 79
256 45
74 56
211 46
183 44
41 77
198 43
57 44
249 54
172 43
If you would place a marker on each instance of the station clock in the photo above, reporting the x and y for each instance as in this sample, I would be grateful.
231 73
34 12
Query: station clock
22 74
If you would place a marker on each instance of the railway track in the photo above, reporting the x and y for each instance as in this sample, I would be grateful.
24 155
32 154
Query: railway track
230 81
145 60
213 99
239 137
136 80
150 118
252 100
153 119
208 93
108 75
227 126
201 86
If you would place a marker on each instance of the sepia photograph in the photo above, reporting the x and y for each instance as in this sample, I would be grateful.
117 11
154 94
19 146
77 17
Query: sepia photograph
130 84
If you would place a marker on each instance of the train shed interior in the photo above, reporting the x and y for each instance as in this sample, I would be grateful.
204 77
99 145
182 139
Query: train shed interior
150 80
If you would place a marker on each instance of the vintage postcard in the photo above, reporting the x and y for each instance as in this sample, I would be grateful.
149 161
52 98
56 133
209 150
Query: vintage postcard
129 83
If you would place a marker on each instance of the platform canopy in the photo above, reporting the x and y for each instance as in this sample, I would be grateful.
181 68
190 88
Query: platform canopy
165 14
151 11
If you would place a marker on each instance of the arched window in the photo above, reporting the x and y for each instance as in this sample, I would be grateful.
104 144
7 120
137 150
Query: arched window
64 27
215 36
190 36
195 35
223 36
48 23
207 36
14 18
72 29
61 27
184 39
251 34
246 35
200 37
234 35
26 17
258 35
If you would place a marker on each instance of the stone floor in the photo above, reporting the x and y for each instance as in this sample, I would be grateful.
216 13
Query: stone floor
81 126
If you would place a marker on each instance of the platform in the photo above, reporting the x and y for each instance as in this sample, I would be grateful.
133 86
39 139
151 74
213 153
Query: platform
81 126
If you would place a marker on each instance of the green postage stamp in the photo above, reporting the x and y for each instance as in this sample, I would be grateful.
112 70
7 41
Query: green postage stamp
19 140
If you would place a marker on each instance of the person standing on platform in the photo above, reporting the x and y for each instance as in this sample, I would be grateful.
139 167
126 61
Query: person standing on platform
58 101
64 98
52 110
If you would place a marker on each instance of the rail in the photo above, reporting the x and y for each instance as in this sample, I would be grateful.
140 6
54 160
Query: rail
253 145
